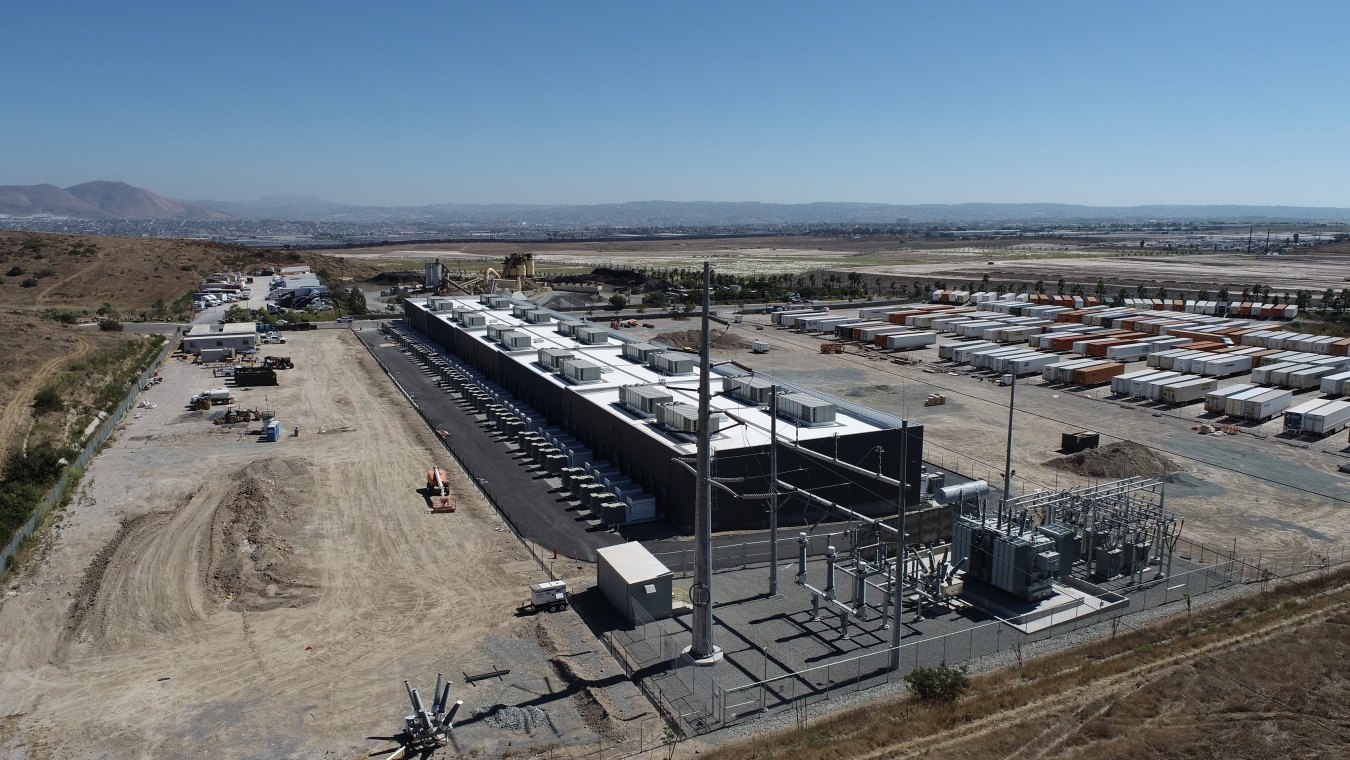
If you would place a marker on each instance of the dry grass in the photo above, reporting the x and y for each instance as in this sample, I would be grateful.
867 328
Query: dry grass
1162 692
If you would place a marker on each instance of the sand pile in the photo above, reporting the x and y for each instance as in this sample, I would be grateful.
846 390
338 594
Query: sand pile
693 340
1117 460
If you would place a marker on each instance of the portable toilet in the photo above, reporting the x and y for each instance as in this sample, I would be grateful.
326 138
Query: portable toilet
273 430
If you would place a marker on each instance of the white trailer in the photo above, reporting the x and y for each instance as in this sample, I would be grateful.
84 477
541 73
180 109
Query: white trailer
1309 378
1232 406
1215 398
1293 418
1265 375
1120 384
1188 391
910 340
1337 384
984 358
963 351
1327 419
1222 365
1139 386
1061 371
1266 405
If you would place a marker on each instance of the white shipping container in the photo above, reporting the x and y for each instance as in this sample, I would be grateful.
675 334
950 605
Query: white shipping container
1293 418
1140 387
910 340
960 352
1266 405
1232 406
1188 391
1327 419
1337 384
1214 399
1052 371
1223 365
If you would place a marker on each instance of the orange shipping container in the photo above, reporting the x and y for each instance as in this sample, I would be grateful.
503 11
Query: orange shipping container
1097 373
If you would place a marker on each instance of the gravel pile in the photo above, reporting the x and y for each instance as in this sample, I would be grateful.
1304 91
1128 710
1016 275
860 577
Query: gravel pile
508 718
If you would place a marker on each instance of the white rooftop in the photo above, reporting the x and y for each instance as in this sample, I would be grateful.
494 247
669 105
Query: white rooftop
633 563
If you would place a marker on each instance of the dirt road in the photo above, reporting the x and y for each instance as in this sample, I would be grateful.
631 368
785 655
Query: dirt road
15 416
212 594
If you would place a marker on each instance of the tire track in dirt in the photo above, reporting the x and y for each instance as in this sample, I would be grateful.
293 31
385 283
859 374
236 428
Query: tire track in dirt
14 414
99 254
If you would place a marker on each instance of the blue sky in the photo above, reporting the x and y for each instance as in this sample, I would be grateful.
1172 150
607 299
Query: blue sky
587 102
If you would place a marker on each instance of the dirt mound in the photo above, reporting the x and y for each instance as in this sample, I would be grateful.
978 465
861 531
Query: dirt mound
693 339
251 564
1117 460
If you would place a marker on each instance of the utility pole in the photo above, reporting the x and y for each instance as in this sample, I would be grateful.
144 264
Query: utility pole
702 650
897 592
1007 462
773 490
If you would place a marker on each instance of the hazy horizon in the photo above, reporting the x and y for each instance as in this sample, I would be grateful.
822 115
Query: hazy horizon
1149 103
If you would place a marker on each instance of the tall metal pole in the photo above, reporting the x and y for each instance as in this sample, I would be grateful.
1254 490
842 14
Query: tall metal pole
701 649
1007 462
773 490
897 593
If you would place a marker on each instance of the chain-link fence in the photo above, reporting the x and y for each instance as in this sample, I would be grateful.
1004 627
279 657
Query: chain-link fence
70 474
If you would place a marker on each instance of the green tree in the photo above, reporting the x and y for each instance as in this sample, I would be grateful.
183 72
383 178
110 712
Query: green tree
618 301
356 302
1203 295
1040 286
1121 295
107 310
1079 290
1100 288
1140 291
1162 293
1061 284
1222 296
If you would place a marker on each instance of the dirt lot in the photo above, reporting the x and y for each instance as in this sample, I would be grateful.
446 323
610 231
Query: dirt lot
210 594
1229 486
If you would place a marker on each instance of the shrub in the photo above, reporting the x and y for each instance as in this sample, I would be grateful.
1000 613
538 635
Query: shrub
45 273
14 271
64 316
109 325
48 399
28 283
941 684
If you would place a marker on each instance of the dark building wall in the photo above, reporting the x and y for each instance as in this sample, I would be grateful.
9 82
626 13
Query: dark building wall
650 461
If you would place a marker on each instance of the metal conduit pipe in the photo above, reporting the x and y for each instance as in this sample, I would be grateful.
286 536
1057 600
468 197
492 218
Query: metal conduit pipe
788 487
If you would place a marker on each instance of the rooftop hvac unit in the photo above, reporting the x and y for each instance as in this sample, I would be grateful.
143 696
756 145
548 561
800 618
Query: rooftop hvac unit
639 352
553 357
476 319
484 297
537 317
580 370
495 330
459 313
751 390
498 302
806 409
592 336
516 340
518 310
569 326
683 418
644 399
672 362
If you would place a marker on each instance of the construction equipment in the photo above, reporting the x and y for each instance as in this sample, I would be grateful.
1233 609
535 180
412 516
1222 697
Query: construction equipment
935 399
549 596
278 362
436 482
832 348
233 416
207 398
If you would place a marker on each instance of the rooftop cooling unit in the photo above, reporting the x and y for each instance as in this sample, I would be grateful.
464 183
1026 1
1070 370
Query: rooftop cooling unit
592 336
806 409
672 362
639 352
580 370
485 298
518 310
751 390
459 314
553 357
495 330
644 399
476 319
569 326
498 302
538 317
683 418
516 340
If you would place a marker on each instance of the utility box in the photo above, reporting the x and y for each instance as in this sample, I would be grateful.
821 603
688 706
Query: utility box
634 581
1072 443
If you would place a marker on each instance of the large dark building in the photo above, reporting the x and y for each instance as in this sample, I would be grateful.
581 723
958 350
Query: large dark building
634 405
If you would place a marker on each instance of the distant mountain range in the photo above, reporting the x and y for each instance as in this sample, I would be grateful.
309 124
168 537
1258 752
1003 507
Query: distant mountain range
118 200
97 200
